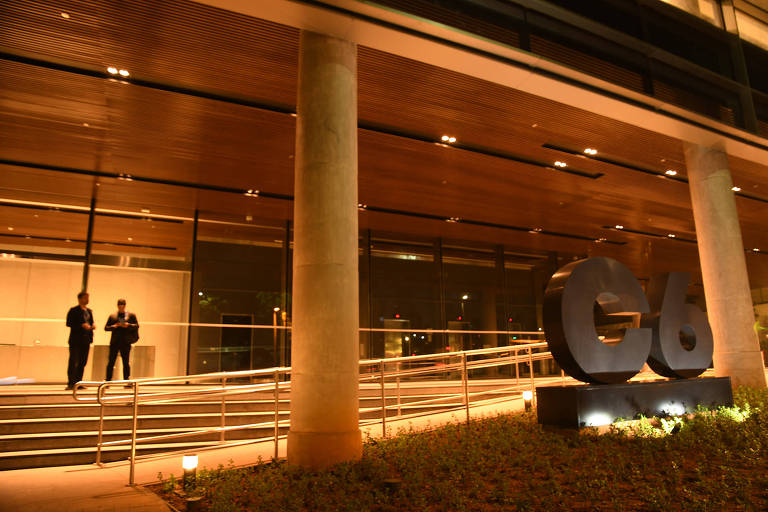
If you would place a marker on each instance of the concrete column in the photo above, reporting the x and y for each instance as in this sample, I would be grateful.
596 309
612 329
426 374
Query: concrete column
324 381
723 267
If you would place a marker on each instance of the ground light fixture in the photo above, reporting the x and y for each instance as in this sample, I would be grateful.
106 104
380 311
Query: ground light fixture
527 399
189 464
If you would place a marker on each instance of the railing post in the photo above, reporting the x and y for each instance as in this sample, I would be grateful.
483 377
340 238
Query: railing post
517 367
398 388
533 383
383 402
465 381
277 409
222 435
101 424
131 476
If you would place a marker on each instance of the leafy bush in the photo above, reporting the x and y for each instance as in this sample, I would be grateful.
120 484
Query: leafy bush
711 460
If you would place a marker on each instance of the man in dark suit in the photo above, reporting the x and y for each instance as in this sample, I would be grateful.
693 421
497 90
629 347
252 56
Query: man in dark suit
125 331
80 323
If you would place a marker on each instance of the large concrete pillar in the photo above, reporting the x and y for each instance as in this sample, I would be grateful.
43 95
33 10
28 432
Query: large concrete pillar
723 267
324 381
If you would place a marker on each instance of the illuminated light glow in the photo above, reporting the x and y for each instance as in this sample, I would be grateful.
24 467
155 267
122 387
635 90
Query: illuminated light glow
755 250
124 73
145 210
10 228
189 462
362 206
397 315
600 240
671 235
200 294
464 297
407 338
619 226
561 164
736 189
252 192
276 309
672 409
65 15
535 230
459 318
527 395
448 138
86 125
112 70
670 172
601 338
130 238
590 151
452 219
597 419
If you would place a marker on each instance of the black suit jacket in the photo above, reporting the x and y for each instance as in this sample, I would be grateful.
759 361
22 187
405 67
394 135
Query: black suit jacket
76 317
123 334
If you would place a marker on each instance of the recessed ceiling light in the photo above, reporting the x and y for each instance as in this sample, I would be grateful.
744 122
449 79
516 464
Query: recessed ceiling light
670 172
619 226
561 164
671 235
755 250
252 192
65 15
362 206
145 210
448 138
130 239
10 228
452 219
124 73
535 230
736 189
590 151
600 240
112 70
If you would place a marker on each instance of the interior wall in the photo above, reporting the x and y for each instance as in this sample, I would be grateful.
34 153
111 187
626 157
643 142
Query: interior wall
37 295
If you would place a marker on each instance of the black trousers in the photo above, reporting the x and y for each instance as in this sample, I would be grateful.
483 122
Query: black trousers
78 358
125 354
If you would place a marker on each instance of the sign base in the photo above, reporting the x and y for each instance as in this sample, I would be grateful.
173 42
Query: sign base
594 405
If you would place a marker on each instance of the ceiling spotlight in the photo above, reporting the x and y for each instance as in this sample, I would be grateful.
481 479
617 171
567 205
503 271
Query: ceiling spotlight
590 151
464 297
448 138
452 219
248 218
600 240
619 226
671 235
124 73
252 192
145 210
65 15
670 172
112 70
535 230
755 250
10 228
561 164
361 206
736 189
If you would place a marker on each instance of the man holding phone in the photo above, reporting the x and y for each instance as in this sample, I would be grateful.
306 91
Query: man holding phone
125 331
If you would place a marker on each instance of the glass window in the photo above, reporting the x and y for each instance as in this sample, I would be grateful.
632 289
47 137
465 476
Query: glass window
238 281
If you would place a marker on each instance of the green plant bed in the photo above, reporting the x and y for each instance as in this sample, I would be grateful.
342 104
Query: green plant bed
711 460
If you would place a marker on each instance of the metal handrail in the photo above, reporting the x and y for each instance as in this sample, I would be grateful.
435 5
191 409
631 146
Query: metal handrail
380 370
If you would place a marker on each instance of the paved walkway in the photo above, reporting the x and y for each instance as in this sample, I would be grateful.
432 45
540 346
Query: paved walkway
100 489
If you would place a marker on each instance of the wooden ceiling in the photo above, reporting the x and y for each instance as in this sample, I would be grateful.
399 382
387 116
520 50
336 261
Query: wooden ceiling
208 104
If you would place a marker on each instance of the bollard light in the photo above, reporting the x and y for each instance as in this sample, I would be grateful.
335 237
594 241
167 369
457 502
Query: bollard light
527 397
189 463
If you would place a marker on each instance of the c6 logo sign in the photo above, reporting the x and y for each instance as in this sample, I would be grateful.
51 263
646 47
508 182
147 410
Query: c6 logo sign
572 336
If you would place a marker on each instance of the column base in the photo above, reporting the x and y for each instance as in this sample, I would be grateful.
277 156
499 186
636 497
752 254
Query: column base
744 368
318 450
